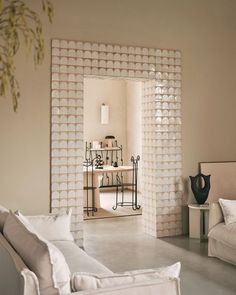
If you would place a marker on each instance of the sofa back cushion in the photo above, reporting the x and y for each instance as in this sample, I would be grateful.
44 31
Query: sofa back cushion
53 227
43 258
3 216
229 210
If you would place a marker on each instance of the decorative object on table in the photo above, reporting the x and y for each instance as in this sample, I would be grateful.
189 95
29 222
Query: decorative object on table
109 140
109 155
99 162
200 193
96 144
115 164
104 114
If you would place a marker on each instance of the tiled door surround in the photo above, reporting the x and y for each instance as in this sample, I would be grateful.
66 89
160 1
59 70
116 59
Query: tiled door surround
160 71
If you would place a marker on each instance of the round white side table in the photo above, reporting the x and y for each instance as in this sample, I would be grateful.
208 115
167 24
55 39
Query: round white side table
198 221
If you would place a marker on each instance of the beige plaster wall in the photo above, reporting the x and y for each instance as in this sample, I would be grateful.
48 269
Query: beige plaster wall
112 93
134 123
203 30
134 118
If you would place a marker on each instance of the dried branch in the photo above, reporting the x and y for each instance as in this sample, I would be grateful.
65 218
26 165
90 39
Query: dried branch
17 21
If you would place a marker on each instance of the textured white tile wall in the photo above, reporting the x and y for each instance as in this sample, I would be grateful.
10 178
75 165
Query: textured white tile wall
162 184
161 72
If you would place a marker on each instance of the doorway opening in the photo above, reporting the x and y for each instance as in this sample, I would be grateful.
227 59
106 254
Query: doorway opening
113 133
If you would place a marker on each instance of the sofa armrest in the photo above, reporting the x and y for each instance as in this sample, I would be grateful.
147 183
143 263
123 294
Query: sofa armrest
167 286
15 277
215 215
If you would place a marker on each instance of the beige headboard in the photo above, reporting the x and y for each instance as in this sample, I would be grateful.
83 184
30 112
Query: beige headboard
223 179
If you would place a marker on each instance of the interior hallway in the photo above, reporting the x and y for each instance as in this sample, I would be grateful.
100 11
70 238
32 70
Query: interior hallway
120 244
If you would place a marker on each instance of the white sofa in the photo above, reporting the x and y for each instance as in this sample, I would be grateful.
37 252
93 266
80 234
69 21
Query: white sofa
221 237
17 279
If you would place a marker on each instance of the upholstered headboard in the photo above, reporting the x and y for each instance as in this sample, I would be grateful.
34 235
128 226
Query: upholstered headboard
223 179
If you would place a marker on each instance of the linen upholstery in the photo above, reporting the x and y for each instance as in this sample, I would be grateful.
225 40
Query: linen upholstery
222 251
229 210
87 281
164 271
78 260
215 215
3 216
16 278
222 242
43 258
163 286
224 233
221 237
53 227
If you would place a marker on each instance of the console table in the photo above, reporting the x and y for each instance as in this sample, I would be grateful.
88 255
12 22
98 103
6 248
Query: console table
106 169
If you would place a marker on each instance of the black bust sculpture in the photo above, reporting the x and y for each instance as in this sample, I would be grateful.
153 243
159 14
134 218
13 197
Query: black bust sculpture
200 193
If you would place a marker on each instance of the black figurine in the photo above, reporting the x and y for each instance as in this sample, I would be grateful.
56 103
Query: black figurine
99 162
200 193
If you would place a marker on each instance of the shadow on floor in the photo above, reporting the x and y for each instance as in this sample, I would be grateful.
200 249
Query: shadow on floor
185 243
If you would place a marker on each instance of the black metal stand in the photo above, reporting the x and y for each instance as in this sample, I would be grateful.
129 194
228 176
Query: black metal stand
87 164
112 156
134 188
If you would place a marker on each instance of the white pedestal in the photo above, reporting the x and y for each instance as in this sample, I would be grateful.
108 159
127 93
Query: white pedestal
198 221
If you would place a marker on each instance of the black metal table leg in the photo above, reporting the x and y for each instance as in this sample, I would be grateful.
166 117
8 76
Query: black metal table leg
134 187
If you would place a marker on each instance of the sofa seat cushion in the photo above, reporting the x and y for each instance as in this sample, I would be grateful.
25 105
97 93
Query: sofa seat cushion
162 286
78 260
225 234
88 281
229 210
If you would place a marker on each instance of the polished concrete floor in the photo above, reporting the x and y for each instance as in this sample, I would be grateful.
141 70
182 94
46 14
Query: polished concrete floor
120 244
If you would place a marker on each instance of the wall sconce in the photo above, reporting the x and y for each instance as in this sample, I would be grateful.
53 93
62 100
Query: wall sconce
104 114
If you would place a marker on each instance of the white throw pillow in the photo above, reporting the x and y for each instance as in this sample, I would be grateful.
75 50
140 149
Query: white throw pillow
86 281
43 258
3 216
53 227
229 210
